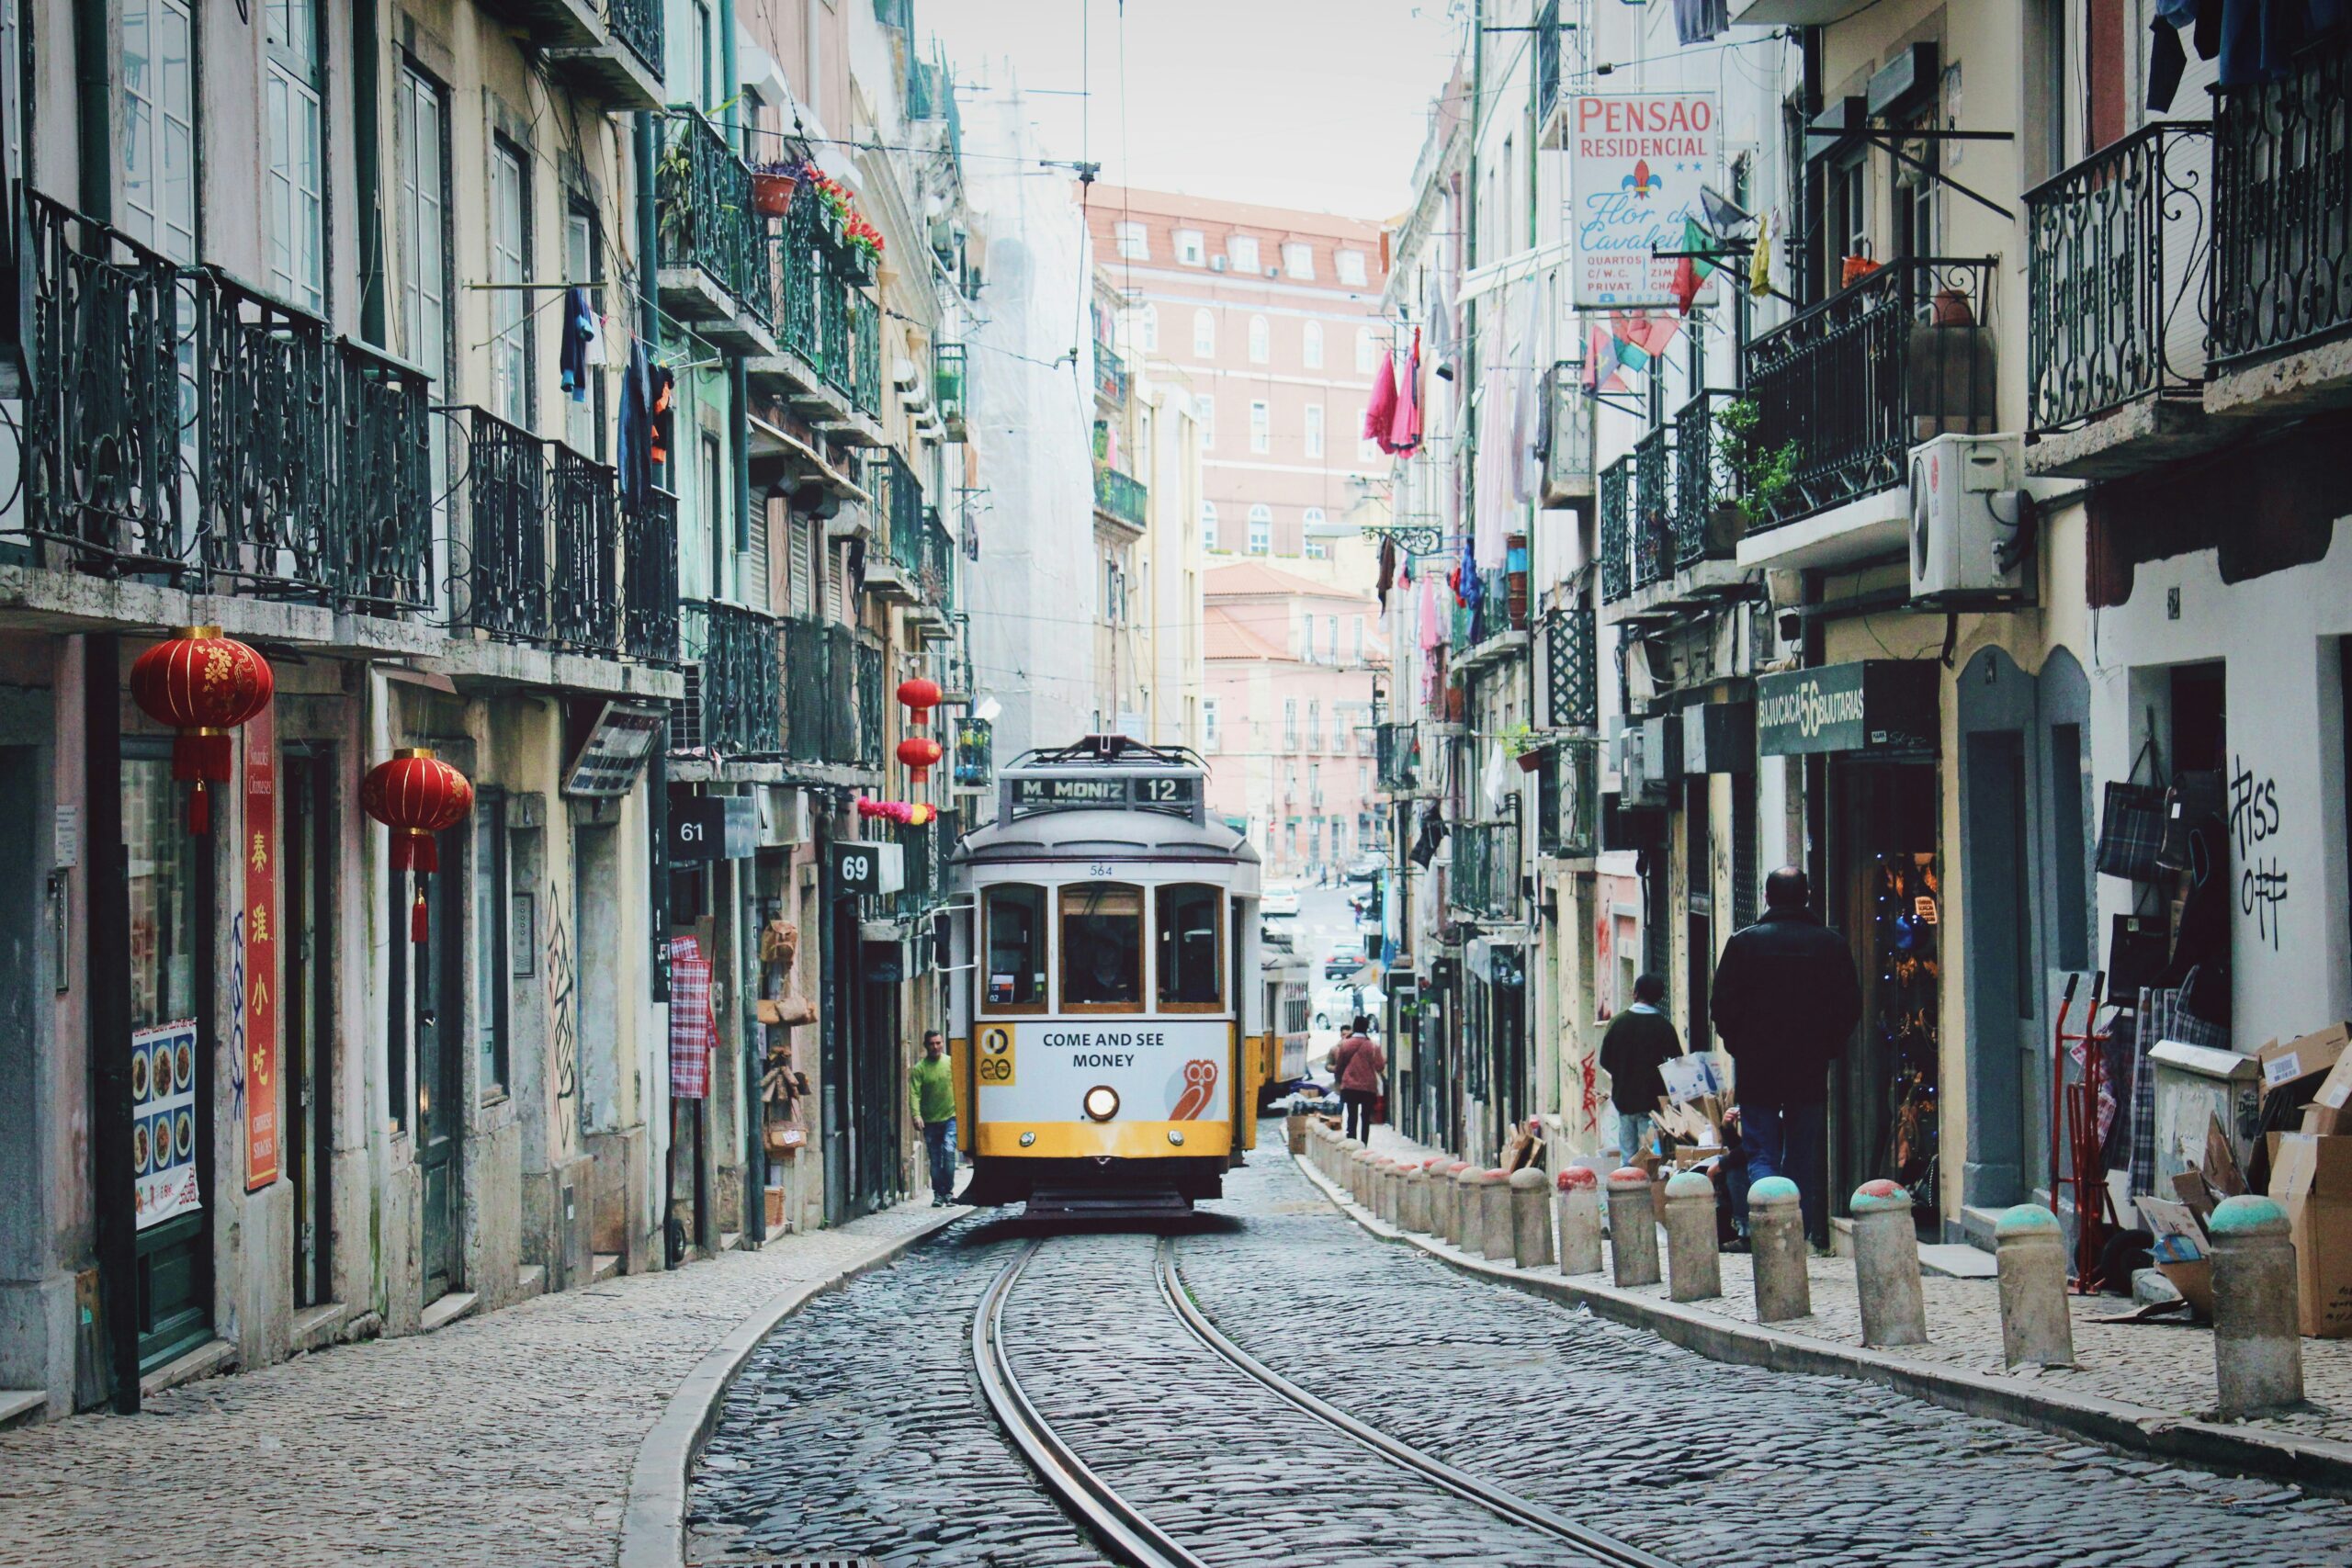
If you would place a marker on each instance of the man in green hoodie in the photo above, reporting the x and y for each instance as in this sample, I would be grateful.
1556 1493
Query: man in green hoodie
930 1089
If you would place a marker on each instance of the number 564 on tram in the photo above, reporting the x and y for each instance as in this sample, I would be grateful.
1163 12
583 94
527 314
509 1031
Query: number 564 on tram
1106 1036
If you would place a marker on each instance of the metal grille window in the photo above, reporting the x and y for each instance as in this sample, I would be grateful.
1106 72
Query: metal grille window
1571 666
510 261
296 178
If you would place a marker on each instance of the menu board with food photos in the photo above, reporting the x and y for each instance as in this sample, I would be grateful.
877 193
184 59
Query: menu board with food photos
163 1121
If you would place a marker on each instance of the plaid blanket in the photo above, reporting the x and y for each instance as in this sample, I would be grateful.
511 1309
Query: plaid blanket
2162 1018
694 1033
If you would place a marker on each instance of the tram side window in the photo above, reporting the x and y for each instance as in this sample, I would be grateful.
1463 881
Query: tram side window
1189 976
1015 980
1102 947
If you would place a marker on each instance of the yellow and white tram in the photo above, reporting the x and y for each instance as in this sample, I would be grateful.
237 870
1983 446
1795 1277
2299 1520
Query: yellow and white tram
1107 1041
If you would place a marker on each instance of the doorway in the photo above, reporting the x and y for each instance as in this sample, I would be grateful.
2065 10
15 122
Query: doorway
437 1015
2001 968
307 931
170 884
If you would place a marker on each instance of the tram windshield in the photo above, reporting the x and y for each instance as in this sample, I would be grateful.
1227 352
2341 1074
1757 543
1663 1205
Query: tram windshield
1016 979
1103 947
1189 976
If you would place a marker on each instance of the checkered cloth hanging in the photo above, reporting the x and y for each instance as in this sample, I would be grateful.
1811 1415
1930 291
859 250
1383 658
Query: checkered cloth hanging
693 1032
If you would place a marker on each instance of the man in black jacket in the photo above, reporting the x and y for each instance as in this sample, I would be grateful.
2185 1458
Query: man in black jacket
1784 1002
1639 1039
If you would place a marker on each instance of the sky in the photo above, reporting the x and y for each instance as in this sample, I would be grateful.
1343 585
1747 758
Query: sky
1314 105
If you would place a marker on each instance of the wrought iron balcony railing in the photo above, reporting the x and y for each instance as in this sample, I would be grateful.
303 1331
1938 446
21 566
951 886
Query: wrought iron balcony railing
1577 762
650 578
925 851
1616 534
2117 271
935 567
947 386
833 694
506 489
583 599
1119 496
703 204
802 275
1572 667
1706 490
1857 380
180 424
2282 210
1398 750
897 506
1653 507
543 546
837 317
1110 374
866 343
637 24
865 749
734 681
1485 880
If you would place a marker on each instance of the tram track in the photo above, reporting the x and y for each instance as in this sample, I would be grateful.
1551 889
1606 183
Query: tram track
1126 1526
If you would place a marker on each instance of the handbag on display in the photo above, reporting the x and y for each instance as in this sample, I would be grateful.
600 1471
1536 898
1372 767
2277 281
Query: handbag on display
2138 947
2132 823
2194 799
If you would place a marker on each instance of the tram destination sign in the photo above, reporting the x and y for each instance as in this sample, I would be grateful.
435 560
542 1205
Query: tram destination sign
1178 794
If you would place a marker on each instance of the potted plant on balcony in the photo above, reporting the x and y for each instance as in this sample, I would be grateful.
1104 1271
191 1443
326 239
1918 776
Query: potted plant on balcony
772 188
1754 478
862 250
1526 748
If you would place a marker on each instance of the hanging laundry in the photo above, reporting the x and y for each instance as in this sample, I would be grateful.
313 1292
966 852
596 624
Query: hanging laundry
579 332
1489 497
2166 61
663 408
1432 625
1442 333
633 448
1381 412
1404 425
693 1034
1697 21
1529 356
1759 263
1387 570
600 343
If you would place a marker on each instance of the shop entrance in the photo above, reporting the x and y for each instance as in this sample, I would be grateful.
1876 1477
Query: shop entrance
879 1081
170 886
307 927
437 1010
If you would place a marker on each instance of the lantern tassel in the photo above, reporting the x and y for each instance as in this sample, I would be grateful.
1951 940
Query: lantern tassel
200 810
420 919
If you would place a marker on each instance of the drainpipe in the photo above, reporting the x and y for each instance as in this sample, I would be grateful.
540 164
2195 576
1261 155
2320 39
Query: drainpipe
657 771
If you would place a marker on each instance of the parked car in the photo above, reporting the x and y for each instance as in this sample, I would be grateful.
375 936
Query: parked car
1279 899
1335 1005
1345 960
1368 869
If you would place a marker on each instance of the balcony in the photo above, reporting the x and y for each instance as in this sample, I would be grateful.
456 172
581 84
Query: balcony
2282 240
833 697
1567 455
650 579
612 50
1486 871
1849 386
947 387
1652 503
934 566
717 270
894 557
1672 509
2118 275
301 466
1119 498
1571 668
926 851
826 359
1616 532
1398 750
734 706
1110 376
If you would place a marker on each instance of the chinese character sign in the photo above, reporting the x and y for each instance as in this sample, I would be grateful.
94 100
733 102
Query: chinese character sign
1636 166
260 964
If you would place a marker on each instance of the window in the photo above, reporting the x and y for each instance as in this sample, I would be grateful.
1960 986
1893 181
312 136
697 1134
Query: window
510 261
1351 265
1241 250
1016 950
1203 335
1310 345
1290 728
1311 519
1261 428
297 164
1134 244
1331 636
1189 248
1261 341
713 512
1315 431
705 59
1309 522
1356 627
1208 524
1299 260
1190 976
1313 721
1205 414
158 206
1147 328
584 419
1315 551
492 968
1101 948
1210 737
1367 351
1262 530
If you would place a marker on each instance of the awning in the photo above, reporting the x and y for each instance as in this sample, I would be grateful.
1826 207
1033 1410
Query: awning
1882 706
775 451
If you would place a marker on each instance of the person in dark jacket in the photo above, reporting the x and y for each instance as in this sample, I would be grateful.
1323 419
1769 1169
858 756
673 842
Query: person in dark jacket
1639 1039
1786 999
1359 1063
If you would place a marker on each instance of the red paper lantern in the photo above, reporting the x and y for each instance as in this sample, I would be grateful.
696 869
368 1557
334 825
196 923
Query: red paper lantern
918 753
922 696
416 794
203 685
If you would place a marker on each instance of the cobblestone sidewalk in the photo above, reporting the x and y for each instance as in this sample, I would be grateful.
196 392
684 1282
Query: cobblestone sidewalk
506 1439
2163 1367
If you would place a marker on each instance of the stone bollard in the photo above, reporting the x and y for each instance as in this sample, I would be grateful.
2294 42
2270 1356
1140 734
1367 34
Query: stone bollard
1493 1232
1776 1239
1344 1165
1414 1207
1361 1175
1694 1264
1392 1191
1578 1201
1632 1227
2037 1328
1461 1219
1530 1219
1886 1266
2257 1346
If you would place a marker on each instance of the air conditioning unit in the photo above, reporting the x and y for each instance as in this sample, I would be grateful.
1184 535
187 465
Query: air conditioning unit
1972 521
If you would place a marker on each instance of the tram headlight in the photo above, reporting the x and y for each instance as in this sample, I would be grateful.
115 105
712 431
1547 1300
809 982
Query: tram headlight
1027 1139
1101 1102
1176 1136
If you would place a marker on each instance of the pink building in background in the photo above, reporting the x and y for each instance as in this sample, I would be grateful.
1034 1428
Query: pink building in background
1294 670
1272 318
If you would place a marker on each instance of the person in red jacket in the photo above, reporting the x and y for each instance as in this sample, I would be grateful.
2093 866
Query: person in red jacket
1359 1063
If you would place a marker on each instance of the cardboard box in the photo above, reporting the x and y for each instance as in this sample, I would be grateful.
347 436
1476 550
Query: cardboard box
775 1203
2298 1059
2311 1180
2330 1112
